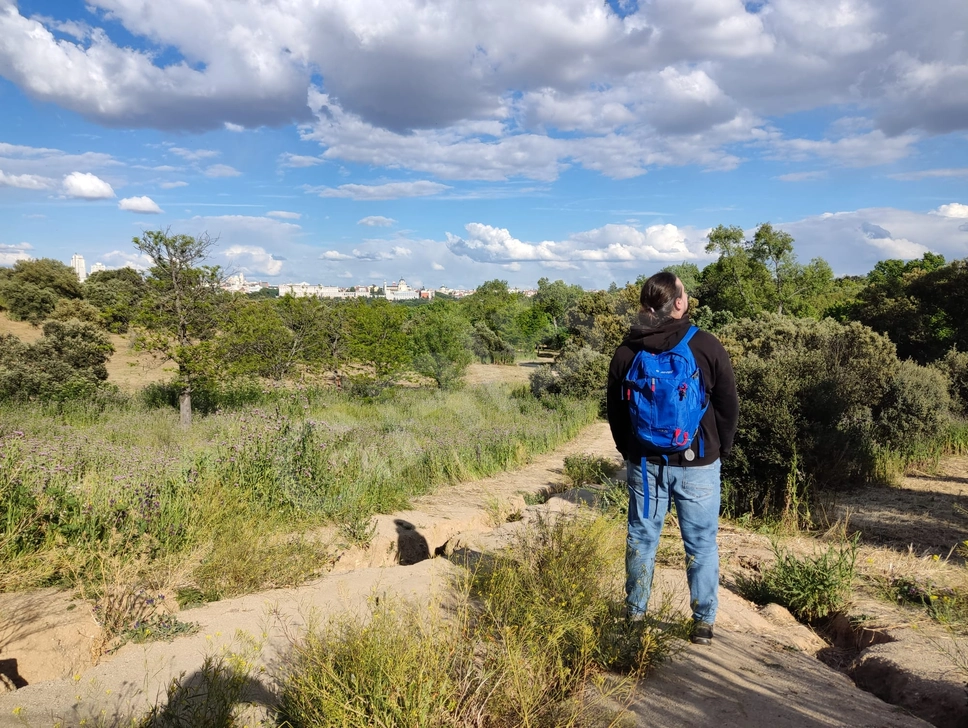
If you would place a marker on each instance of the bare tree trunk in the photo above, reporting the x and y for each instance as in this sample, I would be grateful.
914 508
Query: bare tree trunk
185 408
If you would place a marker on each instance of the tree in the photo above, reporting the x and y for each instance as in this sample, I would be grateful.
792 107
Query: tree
117 295
554 299
688 273
440 337
377 339
736 282
180 311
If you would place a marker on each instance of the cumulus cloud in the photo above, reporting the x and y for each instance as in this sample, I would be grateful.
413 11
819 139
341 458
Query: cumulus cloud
222 170
955 209
10 254
142 204
607 244
377 221
371 253
86 186
254 259
452 89
284 215
26 181
388 191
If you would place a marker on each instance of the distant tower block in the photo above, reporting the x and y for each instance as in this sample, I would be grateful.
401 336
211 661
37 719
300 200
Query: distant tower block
98 267
77 263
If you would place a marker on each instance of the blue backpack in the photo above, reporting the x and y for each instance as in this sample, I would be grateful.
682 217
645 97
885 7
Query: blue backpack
667 398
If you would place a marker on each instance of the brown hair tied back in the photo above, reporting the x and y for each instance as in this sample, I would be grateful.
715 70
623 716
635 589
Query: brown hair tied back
658 297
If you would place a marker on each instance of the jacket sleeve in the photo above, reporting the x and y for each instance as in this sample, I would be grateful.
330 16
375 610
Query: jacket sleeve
724 399
618 411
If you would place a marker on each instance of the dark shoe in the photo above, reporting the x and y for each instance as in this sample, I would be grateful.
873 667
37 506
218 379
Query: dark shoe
702 633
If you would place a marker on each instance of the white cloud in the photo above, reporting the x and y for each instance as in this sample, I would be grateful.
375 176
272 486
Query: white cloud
371 251
436 266
87 186
26 181
46 163
142 204
284 215
173 185
388 191
193 155
930 174
803 176
254 259
10 254
221 170
297 161
377 221
955 210
454 90
607 244
229 126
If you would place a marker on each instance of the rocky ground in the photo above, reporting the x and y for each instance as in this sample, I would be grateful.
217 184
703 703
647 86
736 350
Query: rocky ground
764 669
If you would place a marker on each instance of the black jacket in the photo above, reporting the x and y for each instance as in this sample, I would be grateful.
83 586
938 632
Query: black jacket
719 422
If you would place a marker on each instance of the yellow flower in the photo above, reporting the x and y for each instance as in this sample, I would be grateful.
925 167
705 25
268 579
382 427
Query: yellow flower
18 710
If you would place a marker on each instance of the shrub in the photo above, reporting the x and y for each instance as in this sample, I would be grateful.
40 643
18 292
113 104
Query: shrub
914 409
955 367
809 392
577 372
811 587
585 469
68 362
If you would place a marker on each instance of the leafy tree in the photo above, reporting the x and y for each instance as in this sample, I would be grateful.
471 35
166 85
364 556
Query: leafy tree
68 361
554 299
736 282
378 341
48 273
117 295
26 301
440 337
76 308
181 308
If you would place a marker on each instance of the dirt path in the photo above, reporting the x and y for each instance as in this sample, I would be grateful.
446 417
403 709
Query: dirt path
760 671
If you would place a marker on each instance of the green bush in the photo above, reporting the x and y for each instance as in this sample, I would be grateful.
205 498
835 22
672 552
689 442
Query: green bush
914 410
811 587
810 393
577 372
585 469
955 367
68 362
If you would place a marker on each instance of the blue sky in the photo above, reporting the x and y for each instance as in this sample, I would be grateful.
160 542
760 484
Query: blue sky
447 142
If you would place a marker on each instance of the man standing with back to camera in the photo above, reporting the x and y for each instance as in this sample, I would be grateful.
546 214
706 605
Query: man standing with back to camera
660 475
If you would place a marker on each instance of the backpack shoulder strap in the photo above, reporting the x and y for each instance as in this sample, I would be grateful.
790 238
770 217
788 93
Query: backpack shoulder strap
684 342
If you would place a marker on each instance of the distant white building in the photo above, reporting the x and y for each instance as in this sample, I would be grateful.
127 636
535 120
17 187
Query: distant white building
399 291
98 267
301 290
77 263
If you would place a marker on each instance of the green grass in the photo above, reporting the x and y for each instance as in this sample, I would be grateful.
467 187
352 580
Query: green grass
527 643
584 469
76 478
811 587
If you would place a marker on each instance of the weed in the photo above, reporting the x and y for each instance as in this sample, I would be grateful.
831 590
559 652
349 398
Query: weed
811 587
584 469
535 499
532 628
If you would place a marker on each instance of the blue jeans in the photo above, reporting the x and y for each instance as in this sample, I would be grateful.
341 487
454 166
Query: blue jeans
695 492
